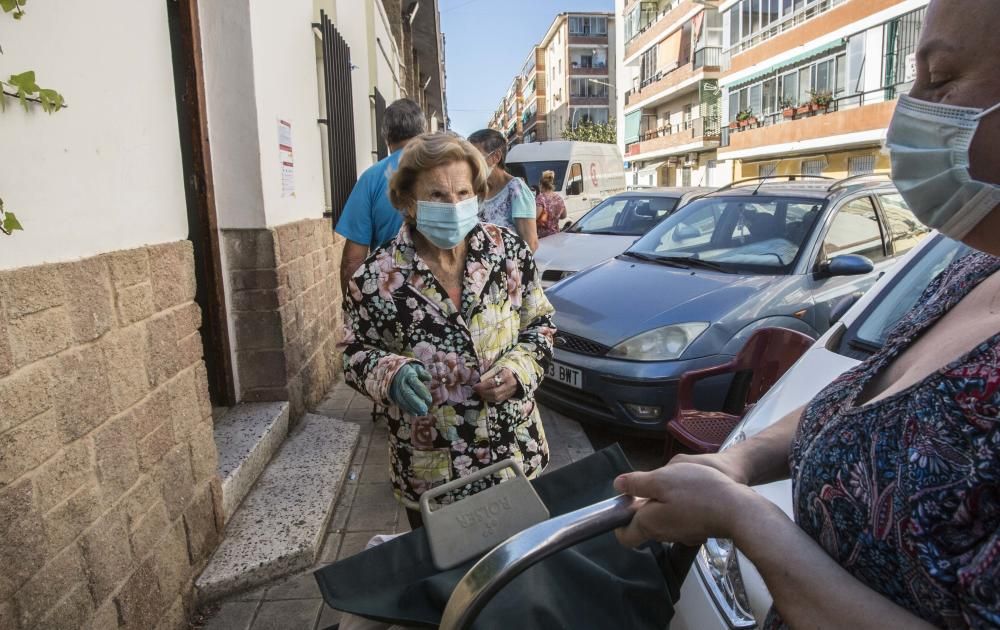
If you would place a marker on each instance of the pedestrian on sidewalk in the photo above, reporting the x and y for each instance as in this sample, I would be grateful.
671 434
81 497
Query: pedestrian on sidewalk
369 219
895 465
509 202
448 327
550 205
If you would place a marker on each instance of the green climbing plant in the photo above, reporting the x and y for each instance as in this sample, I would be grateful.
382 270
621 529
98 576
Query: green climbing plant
26 90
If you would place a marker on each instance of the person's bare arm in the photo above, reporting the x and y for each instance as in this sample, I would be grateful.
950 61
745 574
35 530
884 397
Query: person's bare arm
760 459
810 589
688 503
528 230
352 258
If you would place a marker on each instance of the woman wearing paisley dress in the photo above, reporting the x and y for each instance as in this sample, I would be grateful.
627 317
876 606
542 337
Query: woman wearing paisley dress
895 466
447 326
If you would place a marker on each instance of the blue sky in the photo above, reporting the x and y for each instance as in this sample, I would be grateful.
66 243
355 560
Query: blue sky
487 43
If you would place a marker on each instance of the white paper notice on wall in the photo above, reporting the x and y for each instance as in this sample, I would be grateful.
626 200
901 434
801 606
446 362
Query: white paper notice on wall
286 159
910 73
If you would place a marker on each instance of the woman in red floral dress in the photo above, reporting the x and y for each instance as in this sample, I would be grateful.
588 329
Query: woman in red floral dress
551 209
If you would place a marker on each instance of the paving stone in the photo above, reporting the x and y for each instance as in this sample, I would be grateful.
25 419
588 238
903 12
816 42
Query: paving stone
374 473
288 615
279 529
331 547
233 616
377 516
328 617
302 586
354 542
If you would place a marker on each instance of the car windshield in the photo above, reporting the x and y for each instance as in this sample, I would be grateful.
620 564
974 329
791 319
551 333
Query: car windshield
872 328
747 233
531 172
626 216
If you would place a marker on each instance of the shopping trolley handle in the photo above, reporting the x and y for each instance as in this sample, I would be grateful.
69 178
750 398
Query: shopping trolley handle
516 554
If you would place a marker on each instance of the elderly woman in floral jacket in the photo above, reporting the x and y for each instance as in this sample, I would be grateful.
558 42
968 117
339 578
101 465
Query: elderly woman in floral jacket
447 326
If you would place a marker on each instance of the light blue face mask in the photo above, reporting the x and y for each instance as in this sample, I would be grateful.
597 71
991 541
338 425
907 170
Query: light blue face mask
447 224
929 148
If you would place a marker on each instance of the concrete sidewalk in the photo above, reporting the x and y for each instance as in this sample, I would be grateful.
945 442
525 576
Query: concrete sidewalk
366 507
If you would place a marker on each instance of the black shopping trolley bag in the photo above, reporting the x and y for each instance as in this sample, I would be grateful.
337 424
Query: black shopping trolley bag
594 584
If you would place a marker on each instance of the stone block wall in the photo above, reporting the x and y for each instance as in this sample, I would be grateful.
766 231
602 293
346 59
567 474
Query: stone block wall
108 486
286 310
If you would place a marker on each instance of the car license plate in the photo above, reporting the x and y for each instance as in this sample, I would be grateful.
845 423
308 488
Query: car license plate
566 375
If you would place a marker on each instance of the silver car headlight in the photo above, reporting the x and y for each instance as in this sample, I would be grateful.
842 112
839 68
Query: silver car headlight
660 344
719 569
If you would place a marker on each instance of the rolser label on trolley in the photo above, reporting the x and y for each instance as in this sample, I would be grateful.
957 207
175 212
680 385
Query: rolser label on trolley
488 516
467 528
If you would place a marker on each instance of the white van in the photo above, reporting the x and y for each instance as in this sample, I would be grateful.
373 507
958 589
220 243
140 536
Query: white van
586 172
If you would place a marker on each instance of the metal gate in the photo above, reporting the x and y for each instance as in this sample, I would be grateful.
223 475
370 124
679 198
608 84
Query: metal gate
382 148
339 119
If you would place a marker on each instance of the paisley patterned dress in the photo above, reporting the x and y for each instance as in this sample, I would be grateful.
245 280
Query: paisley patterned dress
904 492
398 313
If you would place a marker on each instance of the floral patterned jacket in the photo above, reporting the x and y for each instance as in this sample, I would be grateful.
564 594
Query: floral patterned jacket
397 313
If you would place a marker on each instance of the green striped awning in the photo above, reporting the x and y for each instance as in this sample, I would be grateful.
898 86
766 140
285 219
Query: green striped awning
632 122
788 63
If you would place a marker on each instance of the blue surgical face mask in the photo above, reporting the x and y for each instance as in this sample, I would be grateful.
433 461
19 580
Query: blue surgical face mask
447 224
929 147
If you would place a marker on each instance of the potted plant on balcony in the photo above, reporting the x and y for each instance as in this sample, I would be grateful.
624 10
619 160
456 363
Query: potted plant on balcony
818 101
745 118
787 108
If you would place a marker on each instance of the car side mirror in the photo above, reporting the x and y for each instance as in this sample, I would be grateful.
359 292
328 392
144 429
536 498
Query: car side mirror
846 265
685 232
843 305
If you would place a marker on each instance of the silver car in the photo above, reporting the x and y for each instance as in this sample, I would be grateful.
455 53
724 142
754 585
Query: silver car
608 230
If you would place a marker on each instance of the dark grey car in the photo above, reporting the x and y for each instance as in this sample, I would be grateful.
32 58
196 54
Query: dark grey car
691 292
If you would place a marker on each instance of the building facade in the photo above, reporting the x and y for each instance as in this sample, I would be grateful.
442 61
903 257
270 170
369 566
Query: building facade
568 78
670 101
810 86
177 257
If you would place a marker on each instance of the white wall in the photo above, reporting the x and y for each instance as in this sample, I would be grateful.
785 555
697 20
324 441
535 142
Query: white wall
227 54
105 173
284 54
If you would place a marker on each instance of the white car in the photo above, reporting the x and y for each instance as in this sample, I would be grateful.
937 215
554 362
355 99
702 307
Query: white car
724 590
608 230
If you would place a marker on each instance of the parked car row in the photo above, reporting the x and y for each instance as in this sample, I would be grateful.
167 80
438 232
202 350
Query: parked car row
689 293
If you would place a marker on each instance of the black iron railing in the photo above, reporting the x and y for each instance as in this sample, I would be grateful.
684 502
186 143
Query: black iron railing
339 121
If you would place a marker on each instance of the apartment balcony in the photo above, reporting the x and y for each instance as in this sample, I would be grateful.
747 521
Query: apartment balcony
660 24
811 22
704 65
859 119
587 39
694 135
588 101
588 71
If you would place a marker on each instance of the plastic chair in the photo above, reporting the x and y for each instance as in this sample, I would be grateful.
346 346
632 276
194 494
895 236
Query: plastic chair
767 355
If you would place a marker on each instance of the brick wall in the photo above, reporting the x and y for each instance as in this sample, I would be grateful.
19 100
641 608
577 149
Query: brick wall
286 311
108 490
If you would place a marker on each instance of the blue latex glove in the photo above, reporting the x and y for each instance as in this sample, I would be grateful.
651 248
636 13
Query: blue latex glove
409 390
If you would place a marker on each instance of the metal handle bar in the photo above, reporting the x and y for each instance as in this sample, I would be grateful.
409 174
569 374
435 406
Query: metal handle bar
508 560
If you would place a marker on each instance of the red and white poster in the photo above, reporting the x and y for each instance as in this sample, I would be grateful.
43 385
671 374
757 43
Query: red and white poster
286 159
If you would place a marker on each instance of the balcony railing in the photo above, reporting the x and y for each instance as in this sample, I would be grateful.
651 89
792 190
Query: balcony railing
708 57
706 128
809 10
807 110
653 19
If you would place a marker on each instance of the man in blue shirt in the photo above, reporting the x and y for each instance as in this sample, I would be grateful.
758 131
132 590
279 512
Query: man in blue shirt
369 219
